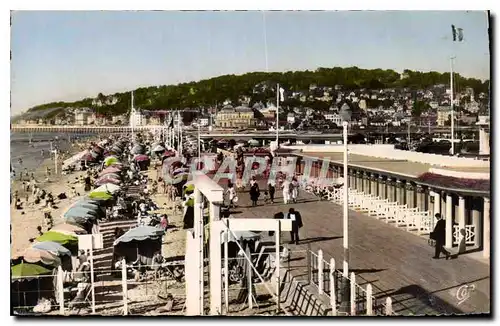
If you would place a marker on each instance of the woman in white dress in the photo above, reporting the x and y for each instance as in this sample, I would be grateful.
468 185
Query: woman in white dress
286 191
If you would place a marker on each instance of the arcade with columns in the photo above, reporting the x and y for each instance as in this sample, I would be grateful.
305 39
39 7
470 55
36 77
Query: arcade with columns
462 208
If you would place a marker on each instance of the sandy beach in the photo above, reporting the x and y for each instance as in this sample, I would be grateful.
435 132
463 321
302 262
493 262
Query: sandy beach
24 222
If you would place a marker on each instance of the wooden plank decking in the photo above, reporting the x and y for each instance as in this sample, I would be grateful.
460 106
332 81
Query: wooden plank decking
396 262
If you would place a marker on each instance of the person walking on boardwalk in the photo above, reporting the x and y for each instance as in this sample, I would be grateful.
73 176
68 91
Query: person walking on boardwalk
286 191
439 235
231 194
271 188
296 225
295 189
254 194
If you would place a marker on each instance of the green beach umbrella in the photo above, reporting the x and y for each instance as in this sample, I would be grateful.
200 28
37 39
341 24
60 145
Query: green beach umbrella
26 269
63 239
110 160
100 195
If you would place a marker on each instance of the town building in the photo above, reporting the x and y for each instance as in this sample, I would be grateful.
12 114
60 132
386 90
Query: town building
239 117
443 114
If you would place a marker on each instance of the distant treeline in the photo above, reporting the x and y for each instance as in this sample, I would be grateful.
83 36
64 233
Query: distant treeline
260 87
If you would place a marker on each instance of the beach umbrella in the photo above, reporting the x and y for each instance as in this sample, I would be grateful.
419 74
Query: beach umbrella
140 233
106 180
189 187
158 148
103 195
112 169
86 205
110 175
239 235
54 236
88 157
27 269
68 229
138 149
180 170
52 247
253 142
141 158
80 211
79 221
35 255
110 160
107 187
116 149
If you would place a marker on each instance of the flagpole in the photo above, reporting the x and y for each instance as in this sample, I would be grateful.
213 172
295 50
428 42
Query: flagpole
452 109
277 114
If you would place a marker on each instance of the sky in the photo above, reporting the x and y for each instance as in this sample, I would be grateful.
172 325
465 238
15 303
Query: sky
70 55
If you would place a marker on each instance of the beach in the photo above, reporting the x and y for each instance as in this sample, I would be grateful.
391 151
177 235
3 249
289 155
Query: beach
24 221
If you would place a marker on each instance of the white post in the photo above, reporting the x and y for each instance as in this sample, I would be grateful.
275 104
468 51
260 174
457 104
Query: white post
226 268
320 271
346 204
388 306
353 294
461 213
60 289
199 144
278 244
452 111
92 275
249 284
198 231
277 113
369 300
333 295
486 228
449 221
124 287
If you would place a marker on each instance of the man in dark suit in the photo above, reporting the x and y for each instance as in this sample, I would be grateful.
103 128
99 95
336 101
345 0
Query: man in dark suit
296 225
439 235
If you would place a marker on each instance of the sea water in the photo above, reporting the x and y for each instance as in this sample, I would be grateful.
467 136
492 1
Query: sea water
28 147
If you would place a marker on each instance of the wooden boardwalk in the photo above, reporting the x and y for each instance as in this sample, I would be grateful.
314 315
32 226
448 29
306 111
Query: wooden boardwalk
397 263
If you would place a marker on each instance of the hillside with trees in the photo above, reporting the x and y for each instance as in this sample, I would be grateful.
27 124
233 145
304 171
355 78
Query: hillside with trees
260 87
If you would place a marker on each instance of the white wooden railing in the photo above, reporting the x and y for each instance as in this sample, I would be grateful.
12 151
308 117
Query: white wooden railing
412 219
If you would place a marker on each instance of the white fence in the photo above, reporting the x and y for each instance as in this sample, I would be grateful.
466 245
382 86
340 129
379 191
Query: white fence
345 295
412 219
470 234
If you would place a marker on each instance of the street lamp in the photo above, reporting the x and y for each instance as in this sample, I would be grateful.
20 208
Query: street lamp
345 114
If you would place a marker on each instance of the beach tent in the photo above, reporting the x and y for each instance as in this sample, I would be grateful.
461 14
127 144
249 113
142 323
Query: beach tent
102 195
52 247
68 229
140 233
107 187
27 269
36 255
63 239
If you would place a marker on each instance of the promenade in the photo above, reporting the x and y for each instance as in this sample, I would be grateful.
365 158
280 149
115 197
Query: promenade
397 263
